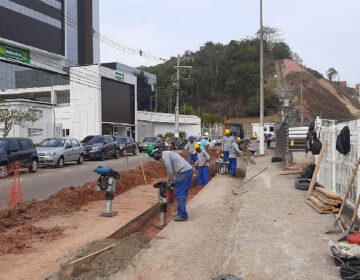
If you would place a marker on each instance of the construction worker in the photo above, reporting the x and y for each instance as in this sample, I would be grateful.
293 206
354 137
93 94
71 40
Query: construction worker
175 163
234 152
192 156
202 165
226 144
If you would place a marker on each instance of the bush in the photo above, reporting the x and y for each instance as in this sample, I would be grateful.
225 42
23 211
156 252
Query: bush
182 134
169 134
160 136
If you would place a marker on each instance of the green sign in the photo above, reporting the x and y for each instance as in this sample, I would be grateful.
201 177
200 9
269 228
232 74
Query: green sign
14 53
119 76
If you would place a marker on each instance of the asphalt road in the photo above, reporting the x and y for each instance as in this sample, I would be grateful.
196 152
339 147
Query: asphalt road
48 180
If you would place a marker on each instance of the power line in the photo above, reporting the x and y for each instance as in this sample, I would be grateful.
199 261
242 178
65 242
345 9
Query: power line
105 39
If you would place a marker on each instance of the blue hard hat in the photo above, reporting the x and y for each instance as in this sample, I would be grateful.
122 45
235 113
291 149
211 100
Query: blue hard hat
191 138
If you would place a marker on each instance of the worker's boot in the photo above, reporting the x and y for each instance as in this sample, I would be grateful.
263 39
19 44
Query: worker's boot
177 218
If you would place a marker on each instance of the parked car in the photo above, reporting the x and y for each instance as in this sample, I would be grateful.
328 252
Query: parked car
58 151
126 143
18 150
148 141
100 147
217 140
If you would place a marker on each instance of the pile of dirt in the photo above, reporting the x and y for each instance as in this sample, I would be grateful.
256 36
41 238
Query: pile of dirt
19 239
68 200
107 263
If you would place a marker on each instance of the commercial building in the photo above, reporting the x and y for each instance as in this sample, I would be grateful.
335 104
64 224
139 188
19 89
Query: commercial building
41 39
50 62
98 100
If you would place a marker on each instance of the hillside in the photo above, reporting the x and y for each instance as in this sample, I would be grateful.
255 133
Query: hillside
224 82
320 96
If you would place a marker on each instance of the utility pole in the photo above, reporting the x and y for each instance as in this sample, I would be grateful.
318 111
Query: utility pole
301 98
177 97
177 94
53 101
261 82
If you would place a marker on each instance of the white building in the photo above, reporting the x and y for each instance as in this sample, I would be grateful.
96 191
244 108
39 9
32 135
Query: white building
98 100
37 131
268 129
153 124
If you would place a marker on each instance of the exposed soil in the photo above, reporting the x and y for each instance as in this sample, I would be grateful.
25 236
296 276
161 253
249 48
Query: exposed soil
107 263
320 97
19 239
19 218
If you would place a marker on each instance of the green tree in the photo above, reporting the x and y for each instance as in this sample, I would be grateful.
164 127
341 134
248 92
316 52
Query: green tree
331 73
17 116
281 51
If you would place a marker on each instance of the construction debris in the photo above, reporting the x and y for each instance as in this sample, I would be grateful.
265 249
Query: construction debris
324 201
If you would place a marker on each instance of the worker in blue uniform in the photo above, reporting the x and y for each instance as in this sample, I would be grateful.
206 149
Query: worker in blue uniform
175 163
202 165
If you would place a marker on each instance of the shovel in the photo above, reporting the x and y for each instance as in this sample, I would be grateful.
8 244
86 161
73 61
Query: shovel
345 234
337 221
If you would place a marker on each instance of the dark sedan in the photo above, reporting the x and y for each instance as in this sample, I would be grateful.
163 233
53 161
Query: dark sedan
126 144
100 147
155 141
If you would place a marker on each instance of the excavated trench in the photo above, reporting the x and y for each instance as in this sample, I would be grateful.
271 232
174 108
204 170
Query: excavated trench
129 240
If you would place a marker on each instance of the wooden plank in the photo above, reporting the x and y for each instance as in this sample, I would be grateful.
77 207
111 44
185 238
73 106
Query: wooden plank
314 177
319 204
318 209
326 200
328 193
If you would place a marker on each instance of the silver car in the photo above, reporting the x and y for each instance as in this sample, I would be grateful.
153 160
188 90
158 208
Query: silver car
57 151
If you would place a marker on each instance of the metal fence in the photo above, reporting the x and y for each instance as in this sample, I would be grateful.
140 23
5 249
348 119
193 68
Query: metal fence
336 169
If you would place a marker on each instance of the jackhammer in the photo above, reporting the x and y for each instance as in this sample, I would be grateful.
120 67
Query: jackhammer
107 183
166 194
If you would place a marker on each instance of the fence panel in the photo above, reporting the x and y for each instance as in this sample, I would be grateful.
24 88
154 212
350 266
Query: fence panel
336 169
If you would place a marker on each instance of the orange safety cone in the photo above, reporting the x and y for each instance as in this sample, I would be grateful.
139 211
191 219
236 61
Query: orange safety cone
16 192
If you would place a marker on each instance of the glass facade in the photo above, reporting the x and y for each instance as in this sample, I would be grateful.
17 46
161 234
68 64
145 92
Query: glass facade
49 25
71 12
13 76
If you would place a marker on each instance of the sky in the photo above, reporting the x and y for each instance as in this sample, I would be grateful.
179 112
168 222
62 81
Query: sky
325 33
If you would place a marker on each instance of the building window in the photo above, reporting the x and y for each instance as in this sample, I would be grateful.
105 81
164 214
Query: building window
33 132
271 128
66 132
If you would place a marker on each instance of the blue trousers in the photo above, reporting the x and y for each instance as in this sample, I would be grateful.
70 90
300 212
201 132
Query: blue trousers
182 185
232 166
203 175
192 158
226 155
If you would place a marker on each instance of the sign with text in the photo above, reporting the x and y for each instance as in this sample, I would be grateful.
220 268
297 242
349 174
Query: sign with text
14 53
119 76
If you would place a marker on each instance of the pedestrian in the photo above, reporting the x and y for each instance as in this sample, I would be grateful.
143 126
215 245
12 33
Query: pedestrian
234 152
226 144
175 164
203 165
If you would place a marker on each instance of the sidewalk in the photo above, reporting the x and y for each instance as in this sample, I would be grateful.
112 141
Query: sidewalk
268 232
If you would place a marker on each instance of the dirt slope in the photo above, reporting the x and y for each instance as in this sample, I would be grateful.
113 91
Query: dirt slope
320 97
